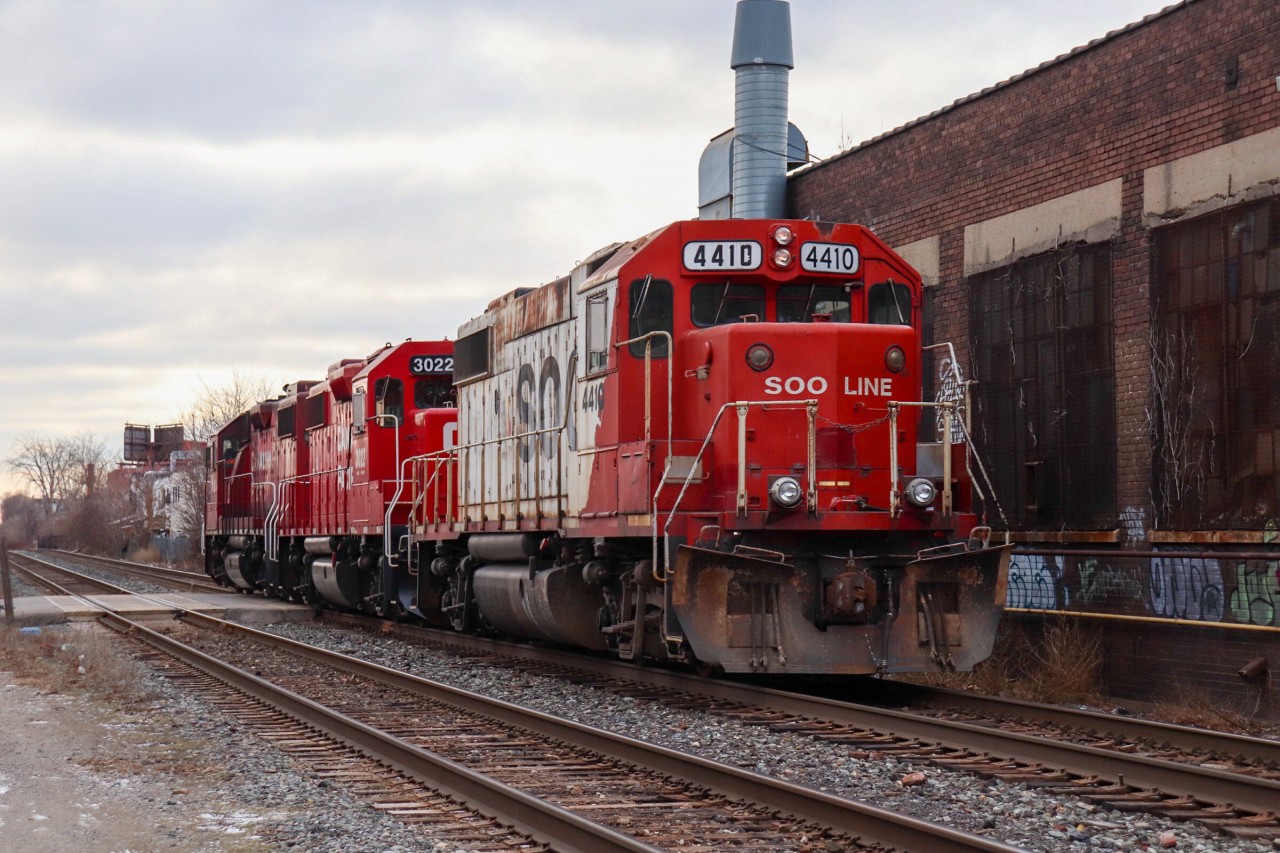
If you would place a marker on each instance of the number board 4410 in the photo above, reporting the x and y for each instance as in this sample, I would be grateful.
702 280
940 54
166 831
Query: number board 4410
720 255
829 257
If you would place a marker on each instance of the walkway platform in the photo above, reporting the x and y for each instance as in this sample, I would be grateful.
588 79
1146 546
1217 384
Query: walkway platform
246 609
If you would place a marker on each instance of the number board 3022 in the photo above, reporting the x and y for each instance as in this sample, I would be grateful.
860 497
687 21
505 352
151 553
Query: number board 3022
424 364
829 257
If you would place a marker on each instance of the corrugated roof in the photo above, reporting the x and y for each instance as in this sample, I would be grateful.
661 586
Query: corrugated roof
1071 54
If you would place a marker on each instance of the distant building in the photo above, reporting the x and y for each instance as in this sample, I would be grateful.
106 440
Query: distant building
156 479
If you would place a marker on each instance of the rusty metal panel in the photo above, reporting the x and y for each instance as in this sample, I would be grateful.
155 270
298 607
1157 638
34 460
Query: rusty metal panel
517 427
1045 404
137 440
748 613
1215 368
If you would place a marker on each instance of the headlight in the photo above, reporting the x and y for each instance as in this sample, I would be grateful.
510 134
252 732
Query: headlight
895 359
920 492
786 492
782 257
759 357
782 235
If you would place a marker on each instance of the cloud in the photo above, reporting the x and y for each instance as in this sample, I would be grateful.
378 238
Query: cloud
192 186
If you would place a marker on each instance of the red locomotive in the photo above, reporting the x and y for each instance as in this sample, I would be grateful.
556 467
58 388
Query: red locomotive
307 493
700 446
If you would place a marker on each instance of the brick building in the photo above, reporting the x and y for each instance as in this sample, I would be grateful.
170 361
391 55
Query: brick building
1101 237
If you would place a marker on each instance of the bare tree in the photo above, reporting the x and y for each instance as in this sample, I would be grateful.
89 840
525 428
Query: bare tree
214 406
59 468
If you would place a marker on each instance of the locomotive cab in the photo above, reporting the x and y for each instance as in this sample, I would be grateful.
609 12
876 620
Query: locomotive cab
797 363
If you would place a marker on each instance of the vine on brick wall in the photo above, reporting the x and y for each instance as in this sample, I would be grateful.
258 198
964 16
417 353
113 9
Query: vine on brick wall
1179 469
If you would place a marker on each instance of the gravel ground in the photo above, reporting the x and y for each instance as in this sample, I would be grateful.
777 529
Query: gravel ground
167 773
255 799
1014 814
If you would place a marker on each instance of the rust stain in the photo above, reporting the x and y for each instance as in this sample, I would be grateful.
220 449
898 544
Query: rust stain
532 311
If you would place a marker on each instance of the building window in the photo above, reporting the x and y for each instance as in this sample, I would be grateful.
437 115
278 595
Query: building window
1044 415
1215 367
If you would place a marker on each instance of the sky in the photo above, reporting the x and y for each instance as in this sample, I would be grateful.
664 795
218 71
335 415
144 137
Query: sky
189 189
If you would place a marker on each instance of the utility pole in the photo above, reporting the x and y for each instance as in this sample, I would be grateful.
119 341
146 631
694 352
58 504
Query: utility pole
4 580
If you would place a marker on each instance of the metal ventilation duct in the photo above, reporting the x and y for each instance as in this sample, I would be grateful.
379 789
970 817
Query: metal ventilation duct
762 60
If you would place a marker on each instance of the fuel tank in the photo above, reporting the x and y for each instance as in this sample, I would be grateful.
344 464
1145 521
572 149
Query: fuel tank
555 605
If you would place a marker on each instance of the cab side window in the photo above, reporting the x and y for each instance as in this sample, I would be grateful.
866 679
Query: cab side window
651 309
889 304
389 393
597 332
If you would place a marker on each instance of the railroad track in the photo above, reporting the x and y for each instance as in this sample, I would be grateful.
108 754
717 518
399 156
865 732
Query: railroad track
1221 780
177 579
61 581
628 794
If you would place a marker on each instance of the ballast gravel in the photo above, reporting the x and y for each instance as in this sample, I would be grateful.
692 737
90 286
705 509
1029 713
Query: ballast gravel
1013 813
259 799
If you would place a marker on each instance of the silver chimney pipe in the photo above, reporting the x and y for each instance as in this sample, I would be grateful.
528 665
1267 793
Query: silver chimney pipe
761 60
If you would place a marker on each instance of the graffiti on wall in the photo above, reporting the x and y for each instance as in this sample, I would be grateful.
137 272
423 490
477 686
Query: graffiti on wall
1169 586
1035 582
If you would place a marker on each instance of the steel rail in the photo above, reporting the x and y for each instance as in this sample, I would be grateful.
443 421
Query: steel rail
158 574
1135 728
21 561
854 818
563 829
1248 793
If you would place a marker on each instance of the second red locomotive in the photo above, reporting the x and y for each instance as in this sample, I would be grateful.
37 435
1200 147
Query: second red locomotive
307 496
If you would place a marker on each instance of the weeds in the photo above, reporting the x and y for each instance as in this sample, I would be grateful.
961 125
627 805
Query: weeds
1060 665
1065 665
145 554
66 660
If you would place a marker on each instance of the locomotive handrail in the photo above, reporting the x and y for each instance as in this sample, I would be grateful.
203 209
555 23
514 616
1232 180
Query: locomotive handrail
648 386
252 485
443 458
386 519
811 405
966 429
506 439
895 482
395 500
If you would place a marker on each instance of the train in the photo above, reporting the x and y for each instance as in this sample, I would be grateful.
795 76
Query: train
706 446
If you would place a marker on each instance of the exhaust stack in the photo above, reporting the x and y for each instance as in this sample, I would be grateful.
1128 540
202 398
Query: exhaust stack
761 61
